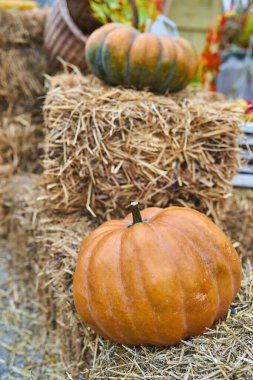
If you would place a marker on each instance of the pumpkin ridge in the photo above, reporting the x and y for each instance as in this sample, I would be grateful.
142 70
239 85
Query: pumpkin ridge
185 324
145 293
216 251
120 329
102 51
179 77
195 251
102 48
185 74
127 300
159 64
141 77
87 283
226 263
93 321
126 75
89 52
171 75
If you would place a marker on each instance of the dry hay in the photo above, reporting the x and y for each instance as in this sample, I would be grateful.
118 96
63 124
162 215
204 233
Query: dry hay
225 351
20 144
58 242
20 151
3 210
237 220
22 59
28 349
21 78
107 146
22 28
21 204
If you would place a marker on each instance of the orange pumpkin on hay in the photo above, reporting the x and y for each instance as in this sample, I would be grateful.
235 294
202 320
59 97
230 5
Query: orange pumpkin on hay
155 277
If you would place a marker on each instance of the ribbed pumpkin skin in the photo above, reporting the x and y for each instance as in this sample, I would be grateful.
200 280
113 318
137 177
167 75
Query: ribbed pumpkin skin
120 55
158 282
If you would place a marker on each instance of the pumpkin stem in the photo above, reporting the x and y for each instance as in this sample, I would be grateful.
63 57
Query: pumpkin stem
135 13
136 213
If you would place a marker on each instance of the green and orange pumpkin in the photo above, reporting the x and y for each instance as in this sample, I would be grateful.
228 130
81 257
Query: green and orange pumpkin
121 55
155 278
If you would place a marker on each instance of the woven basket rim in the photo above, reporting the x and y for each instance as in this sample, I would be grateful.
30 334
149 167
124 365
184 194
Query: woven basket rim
63 6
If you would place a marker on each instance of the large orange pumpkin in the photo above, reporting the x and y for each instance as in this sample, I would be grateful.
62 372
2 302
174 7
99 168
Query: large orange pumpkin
160 277
120 55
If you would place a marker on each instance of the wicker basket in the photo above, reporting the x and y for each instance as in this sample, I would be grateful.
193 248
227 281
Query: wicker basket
63 39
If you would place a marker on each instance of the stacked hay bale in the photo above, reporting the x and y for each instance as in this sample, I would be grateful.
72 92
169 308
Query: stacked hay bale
105 147
158 150
237 220
21 200
22 60
23 64
20 151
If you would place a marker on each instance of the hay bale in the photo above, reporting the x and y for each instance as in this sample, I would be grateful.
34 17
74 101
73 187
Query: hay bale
20 151
3 210
106 146
237 220
28 348
22 208
23 205
22 59
21 144
225 347
58 242
22 28
21 78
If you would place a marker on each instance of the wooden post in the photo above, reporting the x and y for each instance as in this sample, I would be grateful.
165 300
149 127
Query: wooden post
166 7
148 25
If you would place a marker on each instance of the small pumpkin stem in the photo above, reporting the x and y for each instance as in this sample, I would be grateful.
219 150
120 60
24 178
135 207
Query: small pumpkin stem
136 213
148 25
135 14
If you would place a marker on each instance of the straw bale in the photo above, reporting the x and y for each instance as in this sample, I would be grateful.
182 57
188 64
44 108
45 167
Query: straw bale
23 206
20 200
21 78
29 349
22 28
23 61
224 351
21 144
20 151
3 210
58 241
237 220
106 146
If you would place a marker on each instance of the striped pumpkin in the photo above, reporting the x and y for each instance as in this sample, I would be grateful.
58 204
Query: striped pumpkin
120 55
